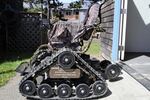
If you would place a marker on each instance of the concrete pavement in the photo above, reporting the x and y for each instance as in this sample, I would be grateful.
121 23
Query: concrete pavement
127 89
124 89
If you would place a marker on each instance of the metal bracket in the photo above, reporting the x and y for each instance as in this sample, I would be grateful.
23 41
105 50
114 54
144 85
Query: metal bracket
123 11
121 48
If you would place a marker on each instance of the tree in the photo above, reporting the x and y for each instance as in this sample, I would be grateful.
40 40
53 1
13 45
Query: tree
76 4
35 5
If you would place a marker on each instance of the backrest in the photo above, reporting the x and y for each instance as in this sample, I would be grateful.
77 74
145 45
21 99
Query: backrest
59 33
92 15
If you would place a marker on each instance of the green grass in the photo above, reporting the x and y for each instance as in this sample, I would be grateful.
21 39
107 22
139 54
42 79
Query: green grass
7 70
94 48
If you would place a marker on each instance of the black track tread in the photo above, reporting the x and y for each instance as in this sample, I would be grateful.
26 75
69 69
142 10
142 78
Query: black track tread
49 61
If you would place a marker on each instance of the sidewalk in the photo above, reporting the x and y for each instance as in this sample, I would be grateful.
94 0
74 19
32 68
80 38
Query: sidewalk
125 89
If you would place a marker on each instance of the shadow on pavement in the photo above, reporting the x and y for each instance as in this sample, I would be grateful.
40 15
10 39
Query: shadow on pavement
117 79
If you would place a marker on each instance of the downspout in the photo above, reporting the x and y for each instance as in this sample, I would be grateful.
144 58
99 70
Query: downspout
116 31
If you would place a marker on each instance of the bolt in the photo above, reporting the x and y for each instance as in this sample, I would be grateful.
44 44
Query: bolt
99 88
27 88
82 91
66 59
63 91
112 71
44 91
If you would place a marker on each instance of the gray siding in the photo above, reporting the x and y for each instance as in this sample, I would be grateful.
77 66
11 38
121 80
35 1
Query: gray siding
107 16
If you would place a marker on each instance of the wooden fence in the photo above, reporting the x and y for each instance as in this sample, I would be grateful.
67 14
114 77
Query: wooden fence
25 35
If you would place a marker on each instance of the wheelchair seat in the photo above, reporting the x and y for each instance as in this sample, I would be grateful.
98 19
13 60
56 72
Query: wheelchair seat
60 34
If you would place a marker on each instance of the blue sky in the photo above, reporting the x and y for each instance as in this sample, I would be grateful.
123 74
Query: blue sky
67 1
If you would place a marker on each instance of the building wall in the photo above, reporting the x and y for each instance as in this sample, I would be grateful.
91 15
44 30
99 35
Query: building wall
107 23
138 26
72 17
75 14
